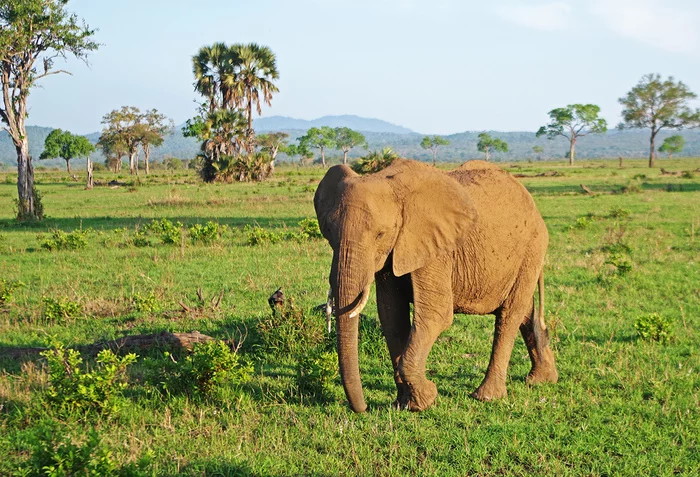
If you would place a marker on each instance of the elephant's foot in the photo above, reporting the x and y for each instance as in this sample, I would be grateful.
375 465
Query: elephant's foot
542 374
488 391
417 396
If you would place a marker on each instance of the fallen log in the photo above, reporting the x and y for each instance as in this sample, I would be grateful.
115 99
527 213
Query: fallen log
587 190
126 343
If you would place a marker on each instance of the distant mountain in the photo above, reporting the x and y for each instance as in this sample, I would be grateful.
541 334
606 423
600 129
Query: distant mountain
283 123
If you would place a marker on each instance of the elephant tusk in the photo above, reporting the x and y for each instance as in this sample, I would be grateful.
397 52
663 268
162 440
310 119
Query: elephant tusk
329 309
361 306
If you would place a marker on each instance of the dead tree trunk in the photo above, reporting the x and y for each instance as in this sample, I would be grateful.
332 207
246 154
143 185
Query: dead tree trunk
89 174
25 182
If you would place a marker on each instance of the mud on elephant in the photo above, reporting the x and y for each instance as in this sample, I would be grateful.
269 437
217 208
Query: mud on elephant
468 241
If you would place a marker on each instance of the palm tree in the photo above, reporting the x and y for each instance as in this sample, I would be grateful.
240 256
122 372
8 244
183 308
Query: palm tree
215 77
256 69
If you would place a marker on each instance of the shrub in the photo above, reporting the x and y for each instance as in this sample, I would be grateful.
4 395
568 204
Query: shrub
619 213
145 303
316 372
687 175
259 236
60 240
293 330
75 389
56 453
58 309
7 289
581 223
632 187
169 233
208 367
653 327
311 228
621 263
205 233
375 161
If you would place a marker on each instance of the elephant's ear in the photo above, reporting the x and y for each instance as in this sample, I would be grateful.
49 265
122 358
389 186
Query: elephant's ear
437 217
328 195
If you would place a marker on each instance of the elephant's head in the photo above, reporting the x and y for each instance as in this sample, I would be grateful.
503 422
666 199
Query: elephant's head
409 211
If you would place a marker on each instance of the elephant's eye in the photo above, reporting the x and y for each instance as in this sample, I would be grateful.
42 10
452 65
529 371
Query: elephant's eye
380 235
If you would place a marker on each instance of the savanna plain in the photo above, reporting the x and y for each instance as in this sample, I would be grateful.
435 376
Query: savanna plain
166 253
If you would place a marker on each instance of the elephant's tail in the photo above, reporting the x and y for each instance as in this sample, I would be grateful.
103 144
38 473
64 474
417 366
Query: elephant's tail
538 323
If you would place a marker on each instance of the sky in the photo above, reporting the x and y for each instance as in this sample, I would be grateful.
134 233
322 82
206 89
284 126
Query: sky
434 66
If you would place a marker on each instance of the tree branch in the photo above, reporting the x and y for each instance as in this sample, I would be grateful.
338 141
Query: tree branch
49 73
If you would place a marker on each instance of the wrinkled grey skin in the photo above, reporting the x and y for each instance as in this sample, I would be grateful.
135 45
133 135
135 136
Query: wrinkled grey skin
469 241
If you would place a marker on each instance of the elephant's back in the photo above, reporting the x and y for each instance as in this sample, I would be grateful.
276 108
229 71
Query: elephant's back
509 230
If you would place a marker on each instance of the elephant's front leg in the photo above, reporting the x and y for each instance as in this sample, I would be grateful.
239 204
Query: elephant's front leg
433 313
393 304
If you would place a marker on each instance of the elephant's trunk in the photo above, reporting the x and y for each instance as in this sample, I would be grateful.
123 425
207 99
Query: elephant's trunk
352 293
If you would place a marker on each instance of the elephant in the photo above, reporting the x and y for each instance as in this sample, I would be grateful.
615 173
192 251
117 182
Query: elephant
469 241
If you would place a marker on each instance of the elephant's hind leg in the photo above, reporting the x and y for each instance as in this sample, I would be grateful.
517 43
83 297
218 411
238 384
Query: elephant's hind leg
543 368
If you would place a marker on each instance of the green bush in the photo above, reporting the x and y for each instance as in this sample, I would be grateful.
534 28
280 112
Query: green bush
619 213
73 388
375 161
260 236
291 330
169 233
56 453
206 233
7 289
687 175
207 368
148 303
653 327
60 240
58 309
316 373
311 228
581 223
622 264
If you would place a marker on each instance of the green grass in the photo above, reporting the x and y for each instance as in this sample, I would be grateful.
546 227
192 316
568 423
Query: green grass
623 406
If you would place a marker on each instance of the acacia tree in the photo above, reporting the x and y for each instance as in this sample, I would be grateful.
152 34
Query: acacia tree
67 146
298 150
538 150
346 139
273 143
113 151
573 122
152 127
318 138
33 34
657 104
487 144
123 126
433 143
672 145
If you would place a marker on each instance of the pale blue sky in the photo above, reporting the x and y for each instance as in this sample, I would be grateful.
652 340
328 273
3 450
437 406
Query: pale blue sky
435 66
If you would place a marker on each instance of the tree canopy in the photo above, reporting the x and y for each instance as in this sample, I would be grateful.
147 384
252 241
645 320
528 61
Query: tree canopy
318 138
658 104
67 146
33 34
433 143
486 144
573 122
672 145
273 143
127 128
346 139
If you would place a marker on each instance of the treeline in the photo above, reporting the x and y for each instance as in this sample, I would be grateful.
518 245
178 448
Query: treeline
462 146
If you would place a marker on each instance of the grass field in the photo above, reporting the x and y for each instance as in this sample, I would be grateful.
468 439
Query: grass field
624 405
